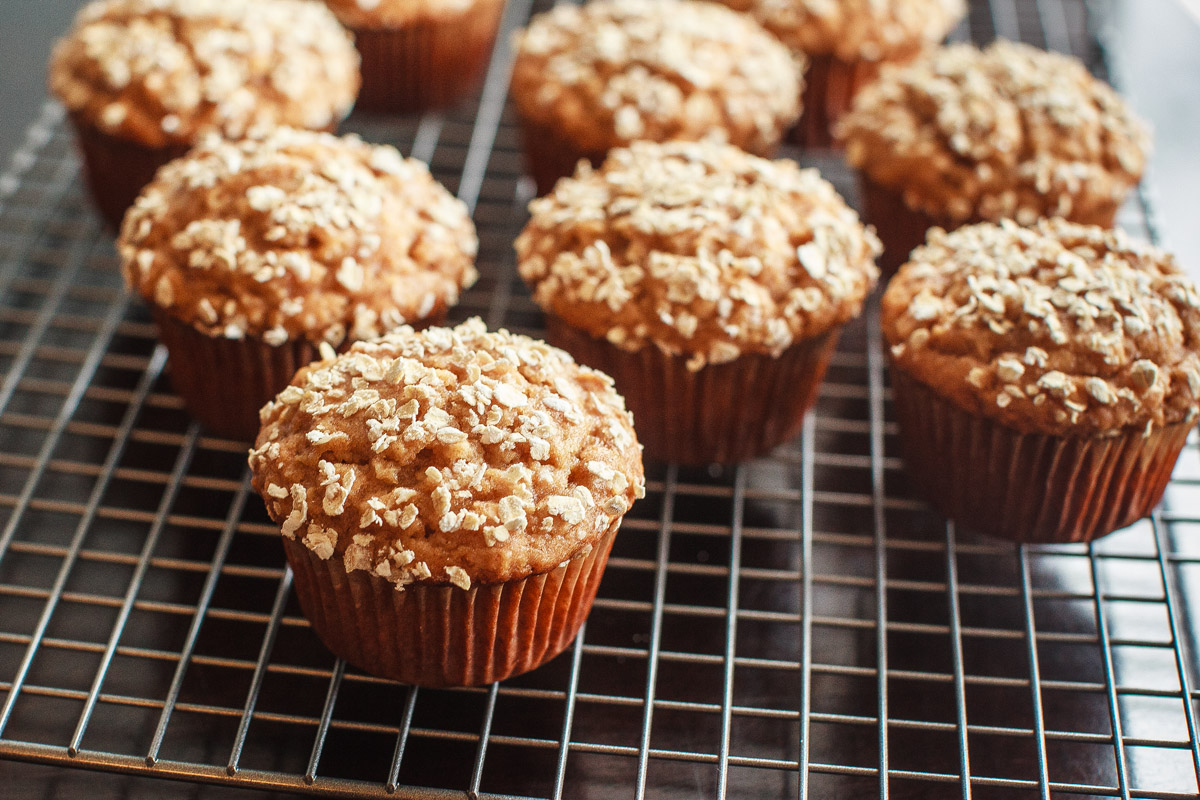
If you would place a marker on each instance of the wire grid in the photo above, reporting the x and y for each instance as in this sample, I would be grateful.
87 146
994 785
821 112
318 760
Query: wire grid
797 626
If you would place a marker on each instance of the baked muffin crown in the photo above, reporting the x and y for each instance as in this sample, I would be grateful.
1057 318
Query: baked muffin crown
1008 131
871 30
297 234
450 455
614 71
1059 328
699 249
164 72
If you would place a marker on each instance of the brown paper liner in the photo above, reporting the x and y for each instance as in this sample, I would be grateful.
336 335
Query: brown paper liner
116 169
1029 487
550 156
830 85
901 229
722 413
440 635
429 64
224 382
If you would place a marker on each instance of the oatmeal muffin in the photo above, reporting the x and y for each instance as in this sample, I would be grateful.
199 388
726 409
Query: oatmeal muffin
252 254
710 283
967 135
448 499
846 42
602 75
419 54
143 80
1044 378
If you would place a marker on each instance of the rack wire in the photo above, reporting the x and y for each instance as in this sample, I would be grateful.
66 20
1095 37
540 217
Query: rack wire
797 626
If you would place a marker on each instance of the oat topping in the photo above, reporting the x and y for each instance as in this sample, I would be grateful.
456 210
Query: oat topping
871 30
612 71
375 14
465 457
297 234
1055 328
1009 131
699 248
164 72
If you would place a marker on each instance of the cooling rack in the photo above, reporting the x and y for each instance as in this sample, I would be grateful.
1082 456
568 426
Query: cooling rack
797 626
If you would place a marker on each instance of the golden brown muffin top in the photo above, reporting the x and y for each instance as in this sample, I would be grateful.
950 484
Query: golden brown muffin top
1008 131
164 72
1059 328
612 71
699 248
852 30
297 234
449 455
375 14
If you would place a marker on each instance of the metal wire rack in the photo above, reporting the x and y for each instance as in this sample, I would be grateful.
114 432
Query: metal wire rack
797 626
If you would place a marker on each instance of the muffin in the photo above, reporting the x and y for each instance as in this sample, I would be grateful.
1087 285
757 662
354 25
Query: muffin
846 42
967 135
1044 378
143 80
255 254
710 283
602 75
419 54
448 499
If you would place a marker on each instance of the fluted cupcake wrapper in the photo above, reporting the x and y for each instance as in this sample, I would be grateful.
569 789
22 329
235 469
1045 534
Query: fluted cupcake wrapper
117 169
830 85
550 156
902 229
224 382
1029 487
441 635
722 413
428 64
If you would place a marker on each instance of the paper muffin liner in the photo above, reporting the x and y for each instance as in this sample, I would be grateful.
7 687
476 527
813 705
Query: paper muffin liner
722 413
441 635
550 156
901 229
1029 487
224 382
429 64
830 85
117 169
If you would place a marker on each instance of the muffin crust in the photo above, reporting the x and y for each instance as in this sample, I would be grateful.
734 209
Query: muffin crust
297 234
850 30
613 71
164 72
1009 131
1059 328
453 456
698 248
